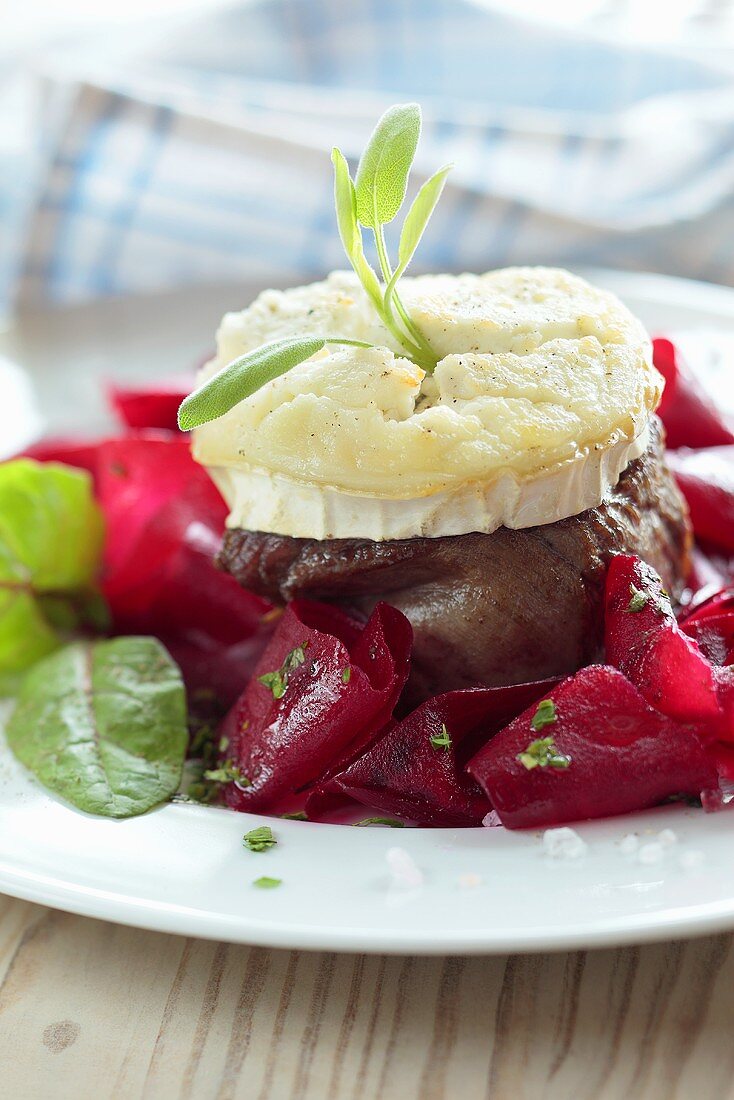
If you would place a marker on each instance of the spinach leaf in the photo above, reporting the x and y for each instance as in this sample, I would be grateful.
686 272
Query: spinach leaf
103 725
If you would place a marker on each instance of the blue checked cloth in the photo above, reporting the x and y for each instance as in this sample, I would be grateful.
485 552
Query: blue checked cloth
202 154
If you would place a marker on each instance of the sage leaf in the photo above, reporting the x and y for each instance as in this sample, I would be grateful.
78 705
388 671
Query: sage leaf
103 725
345 201
382 174
51 533
244 376
415 224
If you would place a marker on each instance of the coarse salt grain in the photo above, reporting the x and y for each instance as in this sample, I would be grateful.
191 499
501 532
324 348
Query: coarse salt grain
652 852
564 844
667 838
470 880
403 868
491 820
629 844
691 858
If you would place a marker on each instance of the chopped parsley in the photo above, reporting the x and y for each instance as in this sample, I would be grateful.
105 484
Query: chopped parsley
276 682
202 792
543 753
441 740
228 772
390 822
265 882
545 715
346 675
260 839
638 599
297 815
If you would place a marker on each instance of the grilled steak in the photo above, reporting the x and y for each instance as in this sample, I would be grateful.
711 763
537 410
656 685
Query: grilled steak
486 609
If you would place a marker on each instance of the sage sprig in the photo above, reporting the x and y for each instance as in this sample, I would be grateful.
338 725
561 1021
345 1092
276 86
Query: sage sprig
371 201
247 374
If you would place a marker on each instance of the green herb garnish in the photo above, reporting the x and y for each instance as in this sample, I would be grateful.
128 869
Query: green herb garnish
260 839
297 815
346 675
228 772
543 753
276 682
639 599
265 882
390 822
545 715
246 375
441 740
371 201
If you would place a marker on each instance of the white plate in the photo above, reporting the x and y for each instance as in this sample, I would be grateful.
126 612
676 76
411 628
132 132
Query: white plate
183 868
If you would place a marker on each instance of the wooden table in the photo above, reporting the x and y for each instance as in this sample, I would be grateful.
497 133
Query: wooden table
90 1011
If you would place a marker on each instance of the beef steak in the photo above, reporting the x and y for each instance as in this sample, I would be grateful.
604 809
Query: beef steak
494 609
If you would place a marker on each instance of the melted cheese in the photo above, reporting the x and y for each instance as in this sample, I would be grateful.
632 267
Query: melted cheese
541 400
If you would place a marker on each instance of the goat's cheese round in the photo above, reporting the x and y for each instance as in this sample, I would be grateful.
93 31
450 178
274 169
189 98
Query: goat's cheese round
541 398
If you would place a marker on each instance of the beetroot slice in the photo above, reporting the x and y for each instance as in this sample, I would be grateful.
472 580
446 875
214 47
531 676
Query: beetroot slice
71 452
713 605
706 479
151 406
624 756
644 641
405 775
689 414
714 635
337 694
164 519
708 574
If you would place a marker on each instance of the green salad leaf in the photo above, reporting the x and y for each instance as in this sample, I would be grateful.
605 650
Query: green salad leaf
51 533
103 725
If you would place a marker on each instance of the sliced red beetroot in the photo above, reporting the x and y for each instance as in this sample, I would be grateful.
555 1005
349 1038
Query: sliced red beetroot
212 671
164 519
712 605
689 414
150 406
714 635
619 754
724 757
706 479
415 770
644 641
708 574
72 452
137 476
316 699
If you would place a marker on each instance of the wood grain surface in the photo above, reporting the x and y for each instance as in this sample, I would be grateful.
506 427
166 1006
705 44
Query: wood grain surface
90 1010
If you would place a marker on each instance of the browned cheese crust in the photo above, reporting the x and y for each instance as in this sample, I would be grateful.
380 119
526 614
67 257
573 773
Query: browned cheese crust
487 609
